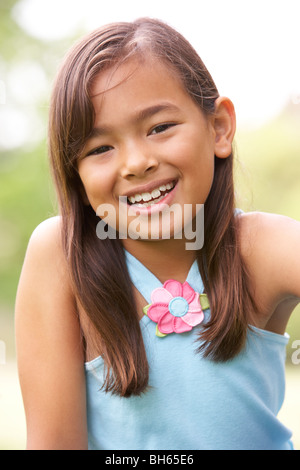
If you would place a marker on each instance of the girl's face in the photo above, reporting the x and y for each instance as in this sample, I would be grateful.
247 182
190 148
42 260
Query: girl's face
151 144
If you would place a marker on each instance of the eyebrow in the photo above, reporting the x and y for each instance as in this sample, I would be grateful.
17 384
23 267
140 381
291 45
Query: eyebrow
141 115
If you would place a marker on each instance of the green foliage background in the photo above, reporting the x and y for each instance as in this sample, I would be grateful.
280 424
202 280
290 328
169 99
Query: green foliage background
26 192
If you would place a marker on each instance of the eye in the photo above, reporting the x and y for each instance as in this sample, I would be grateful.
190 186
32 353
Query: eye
161 128
100 150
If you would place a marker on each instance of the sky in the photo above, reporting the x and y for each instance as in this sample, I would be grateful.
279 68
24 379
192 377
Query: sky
251 48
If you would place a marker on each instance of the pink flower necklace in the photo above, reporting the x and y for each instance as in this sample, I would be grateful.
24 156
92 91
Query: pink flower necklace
176 308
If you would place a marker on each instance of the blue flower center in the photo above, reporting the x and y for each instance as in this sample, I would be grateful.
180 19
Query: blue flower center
178 306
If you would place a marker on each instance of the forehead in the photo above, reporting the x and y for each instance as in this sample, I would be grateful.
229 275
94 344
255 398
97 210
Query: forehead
137 83
120 73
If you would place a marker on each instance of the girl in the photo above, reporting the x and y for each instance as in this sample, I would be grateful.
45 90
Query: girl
135 341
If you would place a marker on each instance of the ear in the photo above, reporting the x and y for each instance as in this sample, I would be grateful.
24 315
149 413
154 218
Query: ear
224 123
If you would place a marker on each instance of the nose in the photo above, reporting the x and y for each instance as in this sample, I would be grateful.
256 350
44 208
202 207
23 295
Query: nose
137 161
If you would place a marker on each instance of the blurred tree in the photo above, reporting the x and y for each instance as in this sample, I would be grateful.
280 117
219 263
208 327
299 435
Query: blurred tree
25 190
27 68
11 35
271 155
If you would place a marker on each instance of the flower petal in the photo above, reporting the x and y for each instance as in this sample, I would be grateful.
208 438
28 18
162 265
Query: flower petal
188 292
159 333
156 311
194 305
174 287
180 326
193 319
161 296
166 324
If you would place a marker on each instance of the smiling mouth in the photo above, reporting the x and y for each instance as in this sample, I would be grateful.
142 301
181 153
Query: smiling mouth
153 197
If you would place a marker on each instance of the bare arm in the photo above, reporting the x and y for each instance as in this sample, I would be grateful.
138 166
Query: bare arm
49 350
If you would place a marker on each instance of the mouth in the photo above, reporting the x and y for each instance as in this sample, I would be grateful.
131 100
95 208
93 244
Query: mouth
150 198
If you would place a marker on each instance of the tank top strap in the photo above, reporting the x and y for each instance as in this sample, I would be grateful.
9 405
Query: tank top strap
145 281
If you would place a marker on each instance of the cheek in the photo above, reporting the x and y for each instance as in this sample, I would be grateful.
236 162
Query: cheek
97 184
203 177
196 165
192 146
195 159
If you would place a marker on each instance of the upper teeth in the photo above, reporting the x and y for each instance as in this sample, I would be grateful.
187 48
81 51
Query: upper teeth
146 197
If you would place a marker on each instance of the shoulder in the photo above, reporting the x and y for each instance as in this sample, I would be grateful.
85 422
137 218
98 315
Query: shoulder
270 246
46 237
44 281
45 252
45 274
264 228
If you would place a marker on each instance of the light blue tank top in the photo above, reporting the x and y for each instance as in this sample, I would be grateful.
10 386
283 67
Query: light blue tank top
192 403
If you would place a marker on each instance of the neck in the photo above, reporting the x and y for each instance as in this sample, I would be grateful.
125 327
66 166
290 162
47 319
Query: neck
166 259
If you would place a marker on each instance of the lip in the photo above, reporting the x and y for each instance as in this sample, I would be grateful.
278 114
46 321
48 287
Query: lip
147 188
159 206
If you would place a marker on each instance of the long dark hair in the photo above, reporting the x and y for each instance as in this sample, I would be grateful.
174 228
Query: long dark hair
98 269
